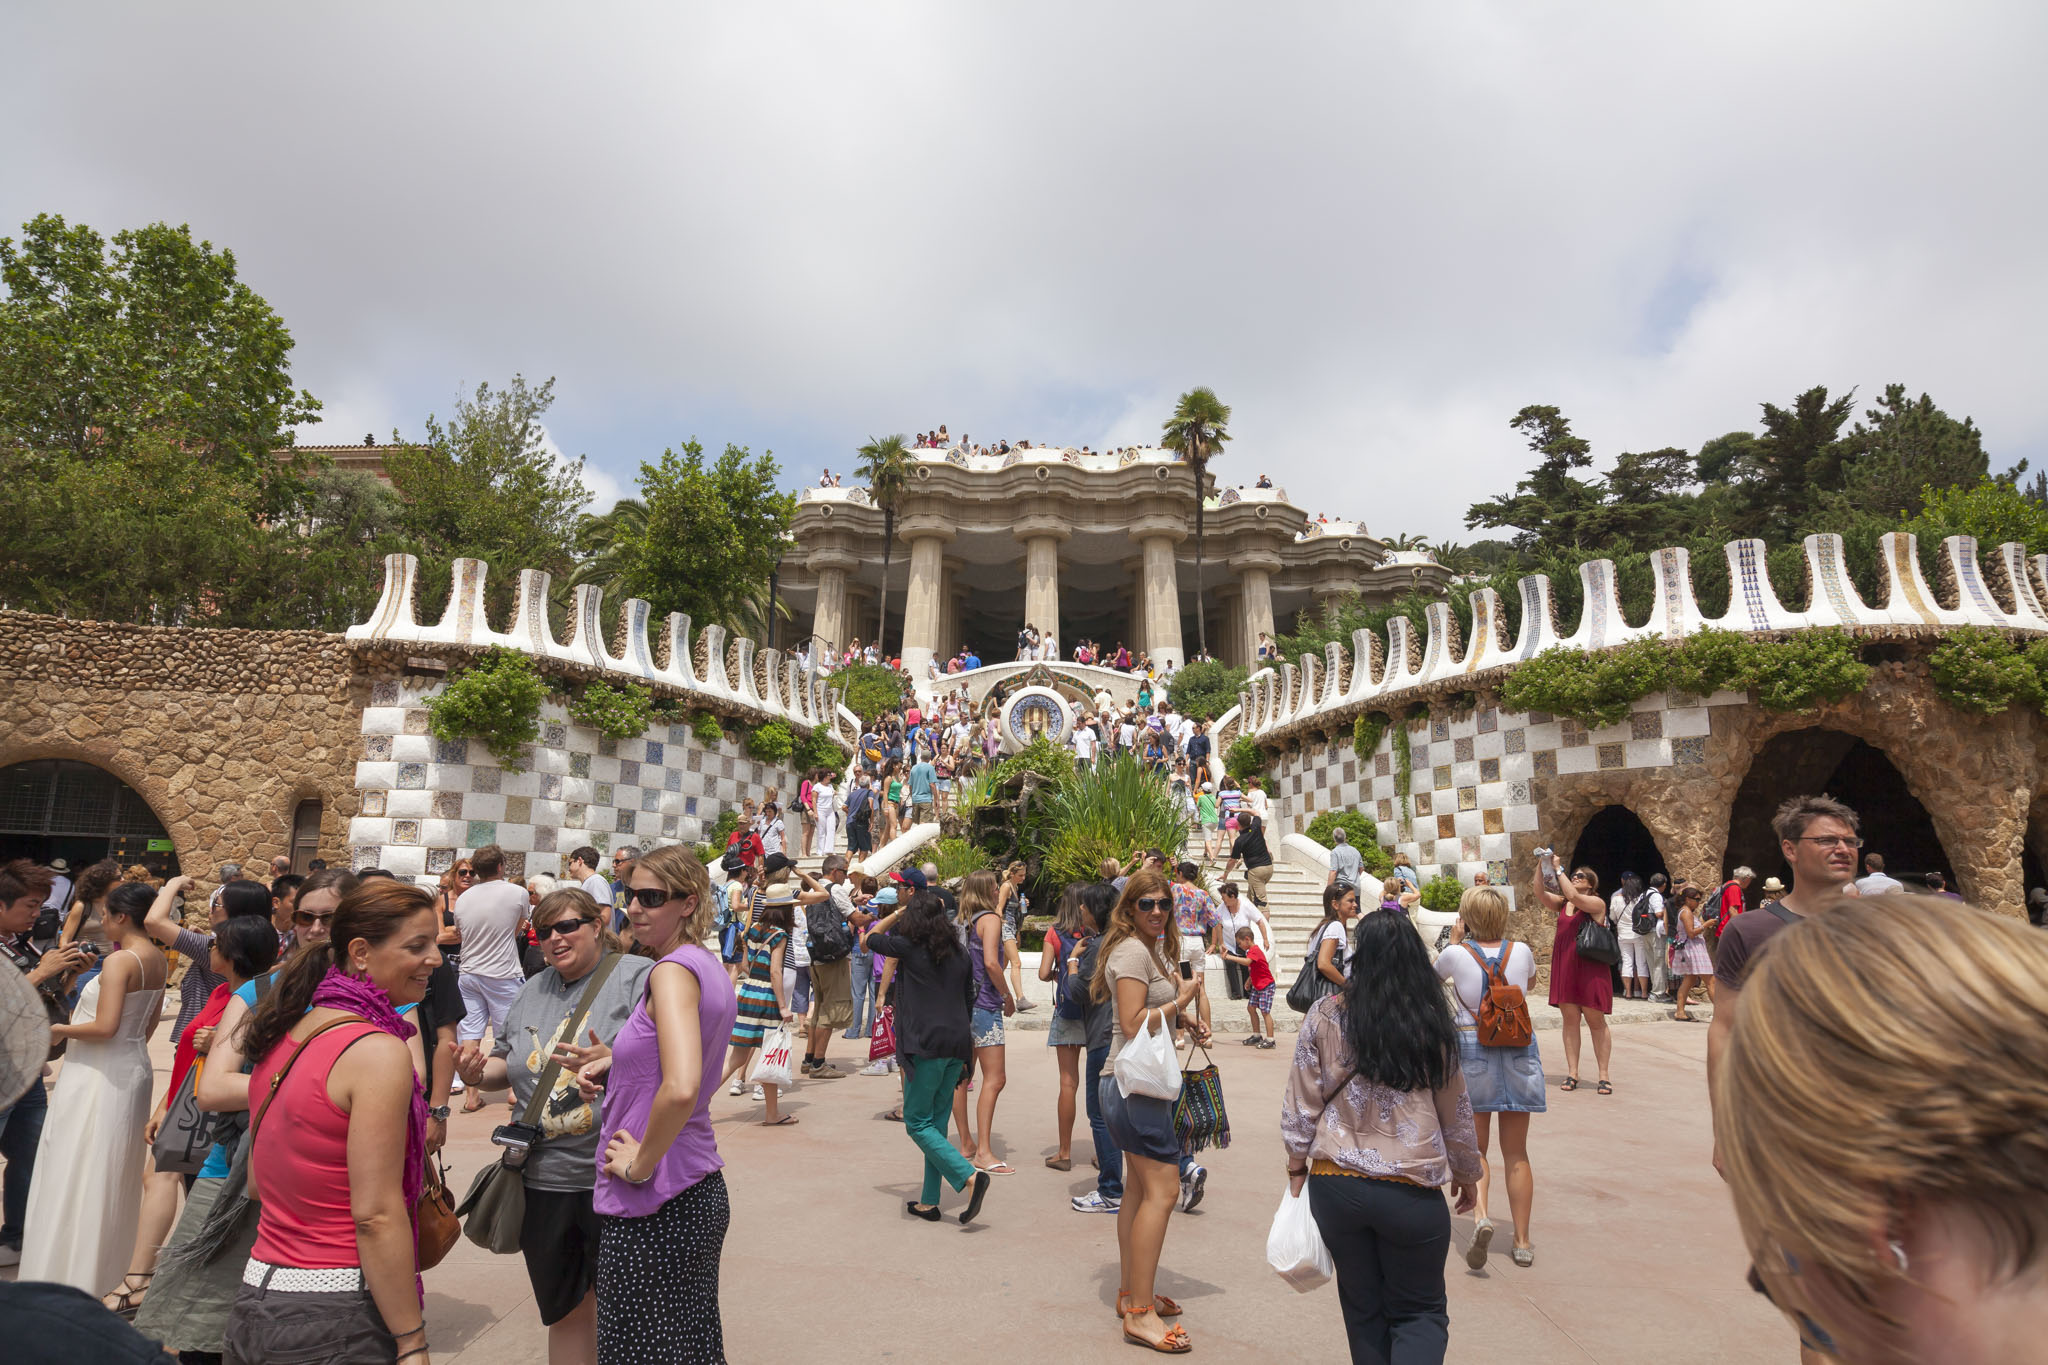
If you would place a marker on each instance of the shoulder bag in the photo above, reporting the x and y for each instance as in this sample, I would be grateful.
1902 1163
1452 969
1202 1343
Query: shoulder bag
1199 1119
1597 942
495 1207
1310 985
187 1135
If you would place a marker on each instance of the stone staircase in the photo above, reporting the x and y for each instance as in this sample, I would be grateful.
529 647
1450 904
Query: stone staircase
1294 907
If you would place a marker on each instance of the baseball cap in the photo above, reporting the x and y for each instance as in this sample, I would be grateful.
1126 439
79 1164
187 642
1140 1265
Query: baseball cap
886 896
776 862
910 876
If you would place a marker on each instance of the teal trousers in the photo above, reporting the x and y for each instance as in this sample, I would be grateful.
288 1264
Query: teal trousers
927 1111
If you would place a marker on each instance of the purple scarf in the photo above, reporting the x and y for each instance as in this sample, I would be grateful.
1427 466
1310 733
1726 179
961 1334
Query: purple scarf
352 995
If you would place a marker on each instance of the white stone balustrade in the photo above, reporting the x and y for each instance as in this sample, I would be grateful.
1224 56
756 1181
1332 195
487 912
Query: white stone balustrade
2006 591
727 675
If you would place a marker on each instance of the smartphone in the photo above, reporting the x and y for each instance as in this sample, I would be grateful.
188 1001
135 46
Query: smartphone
1187 971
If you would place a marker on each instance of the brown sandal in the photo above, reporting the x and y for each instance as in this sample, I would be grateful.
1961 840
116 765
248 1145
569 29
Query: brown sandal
127 1301
1163 1306
1060 1163
1174 1343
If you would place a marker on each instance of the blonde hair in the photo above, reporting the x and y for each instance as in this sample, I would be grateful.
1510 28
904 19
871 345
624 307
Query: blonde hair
683 875
574 900
1889 1052
977 894
1485 912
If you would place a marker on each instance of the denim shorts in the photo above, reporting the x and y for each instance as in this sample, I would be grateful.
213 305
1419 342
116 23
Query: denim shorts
1501 1080
1139 1125
988 1027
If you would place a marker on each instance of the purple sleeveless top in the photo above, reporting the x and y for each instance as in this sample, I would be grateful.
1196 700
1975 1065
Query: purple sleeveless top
986 996
636 1076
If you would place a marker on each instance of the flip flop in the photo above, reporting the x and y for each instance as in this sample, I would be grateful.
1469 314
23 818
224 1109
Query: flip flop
786 1118
999 1168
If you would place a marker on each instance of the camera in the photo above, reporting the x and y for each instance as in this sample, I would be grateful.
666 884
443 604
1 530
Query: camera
517 1139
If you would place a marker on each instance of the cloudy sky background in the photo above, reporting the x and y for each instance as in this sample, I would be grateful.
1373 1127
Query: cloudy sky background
1377 230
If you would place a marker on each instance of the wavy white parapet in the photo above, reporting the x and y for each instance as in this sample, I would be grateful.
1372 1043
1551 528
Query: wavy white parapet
785 692
2006 590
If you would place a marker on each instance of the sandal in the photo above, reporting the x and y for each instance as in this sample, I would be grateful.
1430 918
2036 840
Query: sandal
1523 1256
1604 1088
895 1115
997 1168
785 1119
1060 1163
1568 1083
128 1301
1174 1343
475 1102
1163 1306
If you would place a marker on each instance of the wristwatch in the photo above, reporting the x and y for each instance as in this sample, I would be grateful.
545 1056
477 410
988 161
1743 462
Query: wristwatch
439 1113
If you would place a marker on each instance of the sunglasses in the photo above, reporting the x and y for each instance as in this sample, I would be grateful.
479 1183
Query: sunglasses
564 926
465 873
653 897
1147 904
306 918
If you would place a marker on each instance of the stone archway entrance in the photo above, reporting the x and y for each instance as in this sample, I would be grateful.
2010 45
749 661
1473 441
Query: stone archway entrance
62 808
1853 771
1615 841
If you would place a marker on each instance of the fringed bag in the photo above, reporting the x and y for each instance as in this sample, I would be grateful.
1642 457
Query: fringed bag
1199 1119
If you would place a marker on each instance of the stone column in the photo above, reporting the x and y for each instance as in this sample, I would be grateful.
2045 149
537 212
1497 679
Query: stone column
1042 583
1255 576
1136 638
1161 591
832 622
924 605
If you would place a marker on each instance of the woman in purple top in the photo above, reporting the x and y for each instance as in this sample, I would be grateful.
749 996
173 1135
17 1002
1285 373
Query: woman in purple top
660 1199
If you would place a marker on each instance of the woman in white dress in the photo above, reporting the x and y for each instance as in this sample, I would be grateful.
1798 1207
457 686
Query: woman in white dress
825 808
86 1201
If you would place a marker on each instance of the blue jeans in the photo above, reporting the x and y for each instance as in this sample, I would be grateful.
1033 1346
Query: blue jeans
21 1132
1109 1162
864 1002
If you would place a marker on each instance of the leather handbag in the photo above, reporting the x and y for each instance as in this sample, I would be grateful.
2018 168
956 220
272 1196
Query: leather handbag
1310 985
1597 942
434 1225
494 1210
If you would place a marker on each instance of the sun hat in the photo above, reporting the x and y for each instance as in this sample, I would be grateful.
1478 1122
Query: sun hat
1772 886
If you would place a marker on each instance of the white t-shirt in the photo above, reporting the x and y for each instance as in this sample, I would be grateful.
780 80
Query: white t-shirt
1103 701
1084 742
489 915
824 800
1877 883
799 954
1255 800
1250 917
1333 931
1456 965
771 836
600 890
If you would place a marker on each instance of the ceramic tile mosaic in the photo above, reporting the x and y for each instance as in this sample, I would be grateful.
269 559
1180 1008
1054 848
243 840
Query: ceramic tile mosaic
1689 752
1382 765
1421 802
1440 777
486 780
1489 770
1546 763
481 832
554 734
1446 826
372 803
601 794
451 751
1461 749
377 748
1489 720
439 860
403 832
1439 729
1492 822
519 810
1646 725
447 805
1613 756
629 773
412 776
415 724
1574 733
1516 740
579 764
384 694
607 747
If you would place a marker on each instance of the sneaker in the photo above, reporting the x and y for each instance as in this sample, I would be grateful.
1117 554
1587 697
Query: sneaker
739 1087
759 1093
876 1068
1268 1043
1093 1202
1191 1186
824 1071
1250 1040
12 1255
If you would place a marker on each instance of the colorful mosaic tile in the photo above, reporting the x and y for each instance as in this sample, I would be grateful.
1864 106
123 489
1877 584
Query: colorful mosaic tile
671 780
439 860
607 747
515 866
575 814
1489 720
404 832
1573 733
1418 756
1447 827
654 752
373 803
629 773
694 760
1545 761
601 841
555 735
384 694
1440 777
412 777
1646 725
1439 730
486 780
415 724
1382 764
601 794
1489 770
447 805
1468 846
451 752
689 805
377 748
1689 752
1497 871
1422 802
1518 793
1492 822
1461 750
550 786
579 765
1516 740
650 799
1468 798
668 826
482 832
1386 808
626 821
1613 756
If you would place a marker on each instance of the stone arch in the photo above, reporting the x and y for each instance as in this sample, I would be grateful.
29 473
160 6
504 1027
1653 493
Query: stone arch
1614 841
133 817
1655 800
1819 759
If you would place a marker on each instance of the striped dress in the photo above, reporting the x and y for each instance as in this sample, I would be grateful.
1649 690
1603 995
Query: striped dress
757 1008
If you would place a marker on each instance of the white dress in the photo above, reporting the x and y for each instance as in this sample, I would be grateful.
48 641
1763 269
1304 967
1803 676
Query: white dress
86 1200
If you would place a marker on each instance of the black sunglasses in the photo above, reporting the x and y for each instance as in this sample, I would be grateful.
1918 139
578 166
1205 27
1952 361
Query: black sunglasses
1147 904
465 872
653 897
564 926
307 918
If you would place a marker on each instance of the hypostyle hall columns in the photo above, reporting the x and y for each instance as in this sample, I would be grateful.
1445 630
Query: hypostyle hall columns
1160 589
833 624
924 604
1042 536
1255 578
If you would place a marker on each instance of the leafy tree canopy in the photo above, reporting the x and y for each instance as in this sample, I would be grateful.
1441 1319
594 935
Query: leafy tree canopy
706 537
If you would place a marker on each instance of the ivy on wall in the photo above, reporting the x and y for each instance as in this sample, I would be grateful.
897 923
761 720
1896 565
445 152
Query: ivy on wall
1404 774
1983 672
497 700
1599 688
622 712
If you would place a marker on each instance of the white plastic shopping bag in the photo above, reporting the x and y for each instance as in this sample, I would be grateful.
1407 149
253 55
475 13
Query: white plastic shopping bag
1149 1064
772 1066
1295 1245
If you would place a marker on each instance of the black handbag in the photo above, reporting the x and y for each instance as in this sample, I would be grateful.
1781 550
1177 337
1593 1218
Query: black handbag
1597 942
1311 985
187 1135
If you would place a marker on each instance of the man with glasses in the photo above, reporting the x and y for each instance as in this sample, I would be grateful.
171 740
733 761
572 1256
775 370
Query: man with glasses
623 859
489 913
583 871
1817 835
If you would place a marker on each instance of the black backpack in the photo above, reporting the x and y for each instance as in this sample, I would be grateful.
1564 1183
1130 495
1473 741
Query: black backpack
1070 986
830 939
1639 917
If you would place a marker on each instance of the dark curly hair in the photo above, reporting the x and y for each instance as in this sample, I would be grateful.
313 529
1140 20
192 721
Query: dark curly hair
1396 1019
926 924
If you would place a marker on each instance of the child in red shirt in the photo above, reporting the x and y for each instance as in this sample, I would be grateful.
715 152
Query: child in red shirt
1258 985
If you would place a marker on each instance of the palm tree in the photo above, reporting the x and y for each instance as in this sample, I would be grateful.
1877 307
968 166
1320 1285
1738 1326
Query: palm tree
885 464
1408 542
607 542
1197 430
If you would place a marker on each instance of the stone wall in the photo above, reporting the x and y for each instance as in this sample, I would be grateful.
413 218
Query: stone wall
222 732
424 802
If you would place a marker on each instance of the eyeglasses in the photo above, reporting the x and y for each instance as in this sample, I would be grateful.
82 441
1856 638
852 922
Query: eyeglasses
307 919
465 873
653 897
1147 904
1830 841
564 926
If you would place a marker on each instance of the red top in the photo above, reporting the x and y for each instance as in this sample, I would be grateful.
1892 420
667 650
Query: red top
1261 975
181 1059
1731 904
299 1163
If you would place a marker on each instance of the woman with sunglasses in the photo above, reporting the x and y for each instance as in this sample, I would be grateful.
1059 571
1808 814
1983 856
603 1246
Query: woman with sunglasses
1134 976
660 1199
454 882
559 1237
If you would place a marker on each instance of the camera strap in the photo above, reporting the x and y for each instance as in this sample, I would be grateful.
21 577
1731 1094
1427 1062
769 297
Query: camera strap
553 1070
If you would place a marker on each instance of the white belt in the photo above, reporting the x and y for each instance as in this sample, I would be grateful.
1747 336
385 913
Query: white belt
263 1275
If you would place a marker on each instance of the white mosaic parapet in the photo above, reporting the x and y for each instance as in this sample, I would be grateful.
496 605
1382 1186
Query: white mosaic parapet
2006 594
726 674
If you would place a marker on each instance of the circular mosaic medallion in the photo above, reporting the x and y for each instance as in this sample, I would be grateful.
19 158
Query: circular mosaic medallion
1035 712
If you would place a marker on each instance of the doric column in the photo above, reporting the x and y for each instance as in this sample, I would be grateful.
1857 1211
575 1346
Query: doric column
1161 589
924 604
832 623
1041 534
1255 576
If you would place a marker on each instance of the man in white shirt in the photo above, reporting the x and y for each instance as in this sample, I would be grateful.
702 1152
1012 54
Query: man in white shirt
1347 864
583 870
489 915
1103 701
1875 882
1085 740
60 885
771 829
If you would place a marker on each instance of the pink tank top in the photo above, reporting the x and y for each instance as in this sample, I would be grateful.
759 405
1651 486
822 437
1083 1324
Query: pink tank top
300 1160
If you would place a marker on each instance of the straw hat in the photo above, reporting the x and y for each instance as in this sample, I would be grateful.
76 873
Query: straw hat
1773 887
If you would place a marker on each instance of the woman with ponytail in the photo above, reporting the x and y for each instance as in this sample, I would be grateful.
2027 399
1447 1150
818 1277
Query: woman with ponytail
337 1141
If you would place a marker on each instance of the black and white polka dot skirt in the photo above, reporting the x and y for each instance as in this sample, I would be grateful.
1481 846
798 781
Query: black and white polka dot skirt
657 1281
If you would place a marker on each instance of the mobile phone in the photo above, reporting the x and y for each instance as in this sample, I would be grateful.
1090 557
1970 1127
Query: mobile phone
1187 971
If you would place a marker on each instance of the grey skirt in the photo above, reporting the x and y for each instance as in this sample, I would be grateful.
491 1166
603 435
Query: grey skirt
272 1327
188 1303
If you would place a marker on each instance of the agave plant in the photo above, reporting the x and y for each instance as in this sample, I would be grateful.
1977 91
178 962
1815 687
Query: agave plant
1106 812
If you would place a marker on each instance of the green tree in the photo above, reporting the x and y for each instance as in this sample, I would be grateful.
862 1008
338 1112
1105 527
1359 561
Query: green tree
1552 505
1993 511
1198 429
709 538
486 486
1205 691
156 337
604 543
1904 447
885 464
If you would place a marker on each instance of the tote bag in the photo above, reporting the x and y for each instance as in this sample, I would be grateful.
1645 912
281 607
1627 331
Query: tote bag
772 1066
1149 1064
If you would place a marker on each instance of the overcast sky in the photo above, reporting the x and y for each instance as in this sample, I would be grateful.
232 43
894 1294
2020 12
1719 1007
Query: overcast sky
1375 230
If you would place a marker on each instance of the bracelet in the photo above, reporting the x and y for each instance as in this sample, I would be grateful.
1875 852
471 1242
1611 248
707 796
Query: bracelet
421 1329
631 1181
419 1350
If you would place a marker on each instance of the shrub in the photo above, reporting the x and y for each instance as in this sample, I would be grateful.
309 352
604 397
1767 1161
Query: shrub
1811 668
497 700
1361 830
1442 894
1979 671
1244 758
870 691
957 858
1709 661
1105 812
622 712
818 750
1366 732
772 742
1040 756
1205 691
708 728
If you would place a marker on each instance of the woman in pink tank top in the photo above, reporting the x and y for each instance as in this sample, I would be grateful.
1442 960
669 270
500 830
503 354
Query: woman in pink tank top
333 1274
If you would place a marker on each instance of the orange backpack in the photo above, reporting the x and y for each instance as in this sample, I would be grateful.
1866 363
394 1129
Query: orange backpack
1503 1013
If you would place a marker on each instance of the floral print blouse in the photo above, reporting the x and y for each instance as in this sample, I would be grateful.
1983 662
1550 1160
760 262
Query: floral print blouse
1330 1113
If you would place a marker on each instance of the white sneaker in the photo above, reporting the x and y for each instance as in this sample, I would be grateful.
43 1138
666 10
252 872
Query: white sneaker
1192 1185
879 1067
738 1087
455 1086
759 1093
1093 1202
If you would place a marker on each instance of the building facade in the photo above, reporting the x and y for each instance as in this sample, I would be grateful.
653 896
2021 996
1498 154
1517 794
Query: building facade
1083 546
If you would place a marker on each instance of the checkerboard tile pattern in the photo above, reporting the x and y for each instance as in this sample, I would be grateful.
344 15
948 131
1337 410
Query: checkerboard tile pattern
426 802
1470 789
